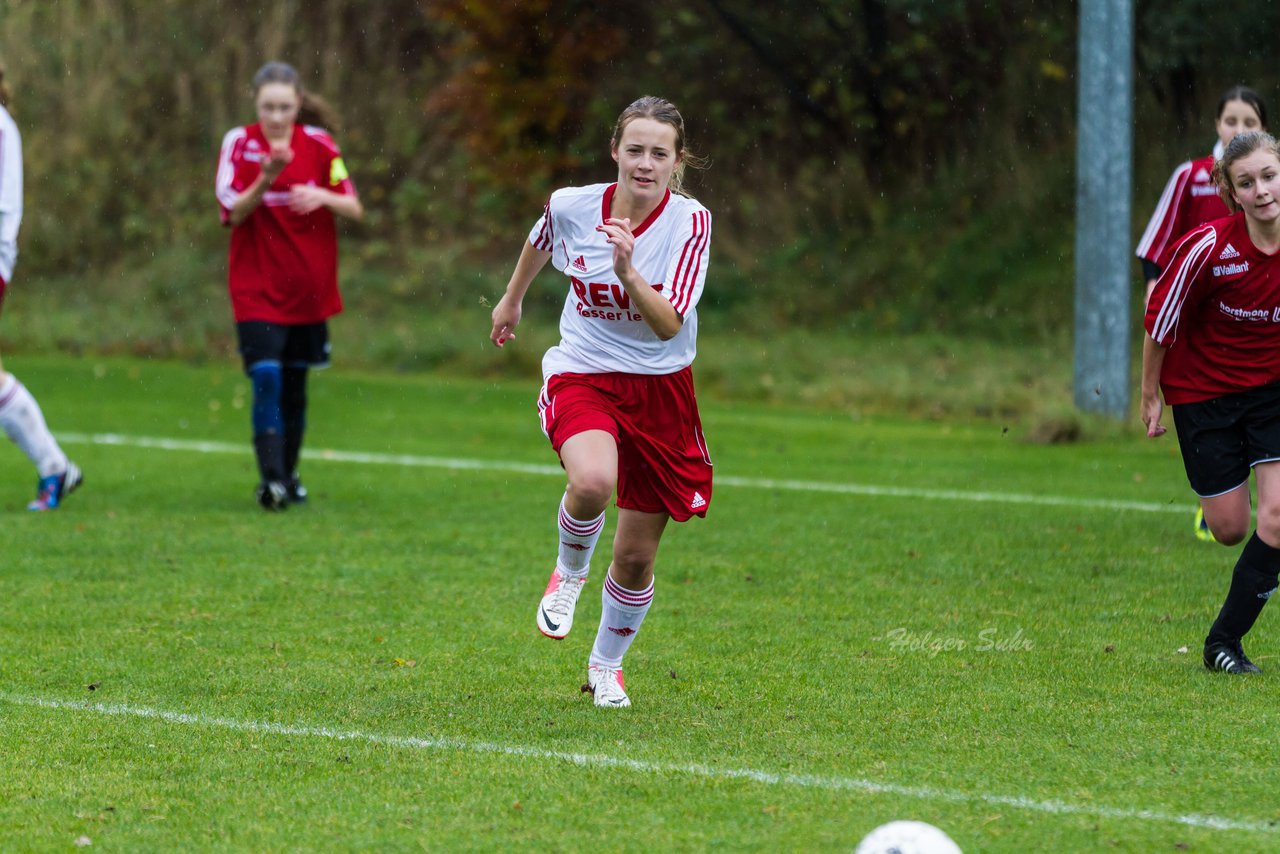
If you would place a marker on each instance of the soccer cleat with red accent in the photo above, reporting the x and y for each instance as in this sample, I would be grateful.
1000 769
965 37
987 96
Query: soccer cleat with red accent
606 687
54 488
555 611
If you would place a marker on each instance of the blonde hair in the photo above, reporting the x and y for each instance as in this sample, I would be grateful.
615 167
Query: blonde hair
660 110
1239 148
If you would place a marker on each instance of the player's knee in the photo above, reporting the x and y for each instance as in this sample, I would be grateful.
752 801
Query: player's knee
1268 524
634 559
592 486
1230 532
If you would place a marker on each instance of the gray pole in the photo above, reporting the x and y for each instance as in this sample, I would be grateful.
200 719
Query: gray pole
1104 159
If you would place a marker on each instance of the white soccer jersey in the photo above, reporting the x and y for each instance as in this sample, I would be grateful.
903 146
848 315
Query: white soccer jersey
10 193
600 331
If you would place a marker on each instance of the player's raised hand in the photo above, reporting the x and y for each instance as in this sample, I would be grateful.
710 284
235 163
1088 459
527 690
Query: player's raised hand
280 157
618 234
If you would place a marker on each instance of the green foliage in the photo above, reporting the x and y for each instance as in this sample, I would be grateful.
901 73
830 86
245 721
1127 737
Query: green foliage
894 163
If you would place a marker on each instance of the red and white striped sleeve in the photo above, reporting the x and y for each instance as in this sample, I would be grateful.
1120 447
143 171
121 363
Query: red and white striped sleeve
542 235
1164 308
1163 229
227 184
687 269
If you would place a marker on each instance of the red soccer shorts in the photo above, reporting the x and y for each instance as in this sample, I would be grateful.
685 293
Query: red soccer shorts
663 465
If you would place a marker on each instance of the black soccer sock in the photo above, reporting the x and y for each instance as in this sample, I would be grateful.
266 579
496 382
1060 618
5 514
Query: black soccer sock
293 408
269 448
1252 583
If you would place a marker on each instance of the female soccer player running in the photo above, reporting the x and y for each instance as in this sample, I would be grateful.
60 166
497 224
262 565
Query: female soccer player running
279 184
20 415
1213 348
1190 199
618 401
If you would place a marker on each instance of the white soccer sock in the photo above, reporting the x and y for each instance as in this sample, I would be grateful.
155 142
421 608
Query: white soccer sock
620 618
23 422
577 542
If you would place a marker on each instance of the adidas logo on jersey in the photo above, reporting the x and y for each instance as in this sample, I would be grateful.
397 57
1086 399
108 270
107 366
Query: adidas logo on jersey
1202 175
1229 252
580 263
698 502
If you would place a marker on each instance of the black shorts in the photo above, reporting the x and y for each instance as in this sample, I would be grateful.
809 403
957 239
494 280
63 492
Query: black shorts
304 345
1224 438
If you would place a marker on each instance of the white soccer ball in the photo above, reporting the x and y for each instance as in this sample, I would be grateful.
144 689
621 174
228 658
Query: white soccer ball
907 837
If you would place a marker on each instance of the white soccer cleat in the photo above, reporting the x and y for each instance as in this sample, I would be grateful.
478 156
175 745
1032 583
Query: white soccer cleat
606 686
555 611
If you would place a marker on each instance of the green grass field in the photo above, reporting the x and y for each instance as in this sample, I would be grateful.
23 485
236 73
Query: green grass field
879 619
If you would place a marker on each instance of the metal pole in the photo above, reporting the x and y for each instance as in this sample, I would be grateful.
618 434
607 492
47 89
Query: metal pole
1104 160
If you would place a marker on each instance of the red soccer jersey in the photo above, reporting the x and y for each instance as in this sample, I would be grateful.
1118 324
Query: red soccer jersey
1216 307
1190 199
283 266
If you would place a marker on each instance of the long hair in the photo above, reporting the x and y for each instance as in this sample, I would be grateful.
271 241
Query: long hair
1239 148
4 91
660 110
313 109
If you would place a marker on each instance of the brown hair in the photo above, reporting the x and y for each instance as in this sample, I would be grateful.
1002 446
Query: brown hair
4 91
314 110
1247 95
1239 148
663 111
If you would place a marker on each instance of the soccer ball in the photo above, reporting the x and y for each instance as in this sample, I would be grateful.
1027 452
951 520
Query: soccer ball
907 837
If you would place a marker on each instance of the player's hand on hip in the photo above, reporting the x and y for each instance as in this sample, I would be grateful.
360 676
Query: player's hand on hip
506 316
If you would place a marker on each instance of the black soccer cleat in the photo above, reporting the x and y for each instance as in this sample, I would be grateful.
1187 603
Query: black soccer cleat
273 495
297 492
1228 658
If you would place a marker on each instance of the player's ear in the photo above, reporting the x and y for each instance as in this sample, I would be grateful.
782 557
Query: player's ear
613 152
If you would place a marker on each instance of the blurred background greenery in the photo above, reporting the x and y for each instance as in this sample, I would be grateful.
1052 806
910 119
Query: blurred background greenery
895 171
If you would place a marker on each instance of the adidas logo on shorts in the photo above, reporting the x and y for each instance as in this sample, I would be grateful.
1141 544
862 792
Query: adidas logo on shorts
698 502
1229 252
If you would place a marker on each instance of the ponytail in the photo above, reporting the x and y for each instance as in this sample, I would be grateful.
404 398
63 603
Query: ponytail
317 111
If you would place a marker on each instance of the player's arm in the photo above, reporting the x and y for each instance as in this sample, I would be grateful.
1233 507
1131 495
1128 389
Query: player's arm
658 313
506 314
1150 272
1152 406
1165 224
1164 311
305 198
248 201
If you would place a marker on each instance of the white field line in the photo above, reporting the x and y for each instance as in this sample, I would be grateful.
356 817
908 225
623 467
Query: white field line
597 760
410 460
